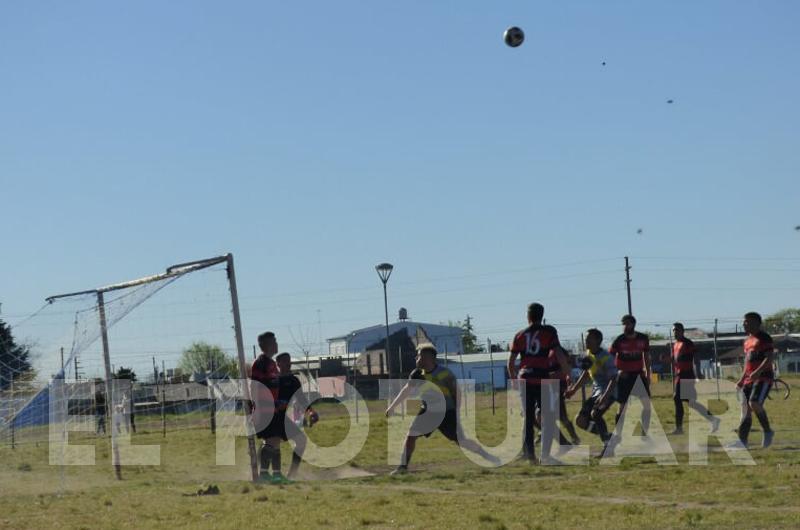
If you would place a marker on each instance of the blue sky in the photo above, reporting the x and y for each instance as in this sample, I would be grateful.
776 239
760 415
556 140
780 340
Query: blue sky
316 139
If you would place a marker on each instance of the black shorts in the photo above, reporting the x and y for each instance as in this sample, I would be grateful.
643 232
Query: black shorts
533 397
757 391
685 389
422 425
278 428
626 382
588 405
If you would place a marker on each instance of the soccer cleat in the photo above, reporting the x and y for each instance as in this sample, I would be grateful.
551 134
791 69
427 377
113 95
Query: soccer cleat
399 470
264 478
278 478
610 445
677 431
767 441
551 461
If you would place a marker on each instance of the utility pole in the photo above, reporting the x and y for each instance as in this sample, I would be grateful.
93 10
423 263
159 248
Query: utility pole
628 284
63 375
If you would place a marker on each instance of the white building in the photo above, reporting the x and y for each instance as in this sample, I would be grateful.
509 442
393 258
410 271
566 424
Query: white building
446 338
479 367
368 344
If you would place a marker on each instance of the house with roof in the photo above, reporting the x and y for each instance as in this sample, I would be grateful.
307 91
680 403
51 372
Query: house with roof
787 353
730 354
367 346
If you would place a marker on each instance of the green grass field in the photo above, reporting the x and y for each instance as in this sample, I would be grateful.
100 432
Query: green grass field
444 490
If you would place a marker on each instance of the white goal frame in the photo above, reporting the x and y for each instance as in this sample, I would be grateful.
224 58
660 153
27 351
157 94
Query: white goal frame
173 271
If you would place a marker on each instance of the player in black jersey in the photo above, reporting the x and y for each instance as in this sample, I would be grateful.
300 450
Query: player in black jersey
285 428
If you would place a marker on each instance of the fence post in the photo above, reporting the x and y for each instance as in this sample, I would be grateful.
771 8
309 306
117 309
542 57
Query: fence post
212 402
491 370
13 416
163 400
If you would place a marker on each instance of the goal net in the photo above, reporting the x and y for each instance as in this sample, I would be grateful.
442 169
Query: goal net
157 340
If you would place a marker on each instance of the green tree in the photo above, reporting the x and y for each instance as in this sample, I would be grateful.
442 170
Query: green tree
15 361
125 373
784 321
203 357
468 338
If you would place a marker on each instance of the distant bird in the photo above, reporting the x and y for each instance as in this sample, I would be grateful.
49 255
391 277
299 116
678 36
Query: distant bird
669 101
604 63
797 228
639 231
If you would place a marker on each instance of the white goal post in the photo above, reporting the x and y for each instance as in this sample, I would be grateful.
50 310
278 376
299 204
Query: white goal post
171 273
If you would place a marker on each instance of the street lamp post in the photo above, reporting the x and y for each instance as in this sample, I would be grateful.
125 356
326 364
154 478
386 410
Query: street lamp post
384 270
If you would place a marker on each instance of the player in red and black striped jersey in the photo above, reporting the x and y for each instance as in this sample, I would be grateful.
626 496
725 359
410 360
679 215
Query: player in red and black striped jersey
632 359
757 378
537 346
683 364
264 395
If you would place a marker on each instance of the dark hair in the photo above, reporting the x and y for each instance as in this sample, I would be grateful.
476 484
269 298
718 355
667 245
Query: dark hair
284 354
596 332
266 336
535 311
629 317
753 316
678 325
428 349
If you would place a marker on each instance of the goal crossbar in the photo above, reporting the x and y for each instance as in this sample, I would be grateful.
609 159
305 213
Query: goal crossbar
172 271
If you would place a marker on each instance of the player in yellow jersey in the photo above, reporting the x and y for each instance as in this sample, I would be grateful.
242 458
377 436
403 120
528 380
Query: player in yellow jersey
598 365
437 378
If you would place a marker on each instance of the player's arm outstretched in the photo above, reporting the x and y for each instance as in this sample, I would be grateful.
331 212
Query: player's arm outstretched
582 379
607 393
402 395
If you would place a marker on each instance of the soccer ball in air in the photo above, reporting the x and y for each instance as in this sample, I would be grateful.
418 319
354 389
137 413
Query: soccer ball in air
514 36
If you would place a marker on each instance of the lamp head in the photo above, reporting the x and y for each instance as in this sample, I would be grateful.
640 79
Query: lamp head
384 270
